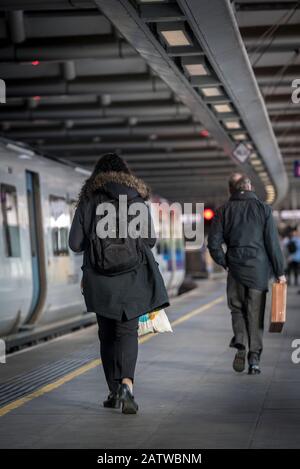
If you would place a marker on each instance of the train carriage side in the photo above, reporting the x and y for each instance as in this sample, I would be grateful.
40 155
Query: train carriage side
39 275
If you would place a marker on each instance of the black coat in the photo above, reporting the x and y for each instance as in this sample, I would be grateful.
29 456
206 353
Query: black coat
133 293
246 226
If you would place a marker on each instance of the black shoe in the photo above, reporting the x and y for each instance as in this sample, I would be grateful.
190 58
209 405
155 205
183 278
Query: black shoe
112 401
254 370
129 406
239 361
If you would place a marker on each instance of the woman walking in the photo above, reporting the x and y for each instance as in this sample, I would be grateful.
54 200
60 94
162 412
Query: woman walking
121 279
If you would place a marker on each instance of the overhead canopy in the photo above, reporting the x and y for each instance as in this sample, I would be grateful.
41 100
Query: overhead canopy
167 84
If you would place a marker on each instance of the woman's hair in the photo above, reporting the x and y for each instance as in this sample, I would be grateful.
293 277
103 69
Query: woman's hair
110 162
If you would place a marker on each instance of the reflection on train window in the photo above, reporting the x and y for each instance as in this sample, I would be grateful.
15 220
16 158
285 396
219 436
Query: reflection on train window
72 209
11 229
158 246
59 224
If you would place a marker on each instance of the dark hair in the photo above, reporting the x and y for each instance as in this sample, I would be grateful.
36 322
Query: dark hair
109 162
242 183
234 177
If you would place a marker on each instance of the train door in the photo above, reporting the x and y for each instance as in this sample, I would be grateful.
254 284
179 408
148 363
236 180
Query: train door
36 245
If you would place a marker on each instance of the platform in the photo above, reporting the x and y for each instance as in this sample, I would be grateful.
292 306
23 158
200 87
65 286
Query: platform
189 396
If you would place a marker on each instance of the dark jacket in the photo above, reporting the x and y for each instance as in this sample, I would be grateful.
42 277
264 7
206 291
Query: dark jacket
246 226
133 293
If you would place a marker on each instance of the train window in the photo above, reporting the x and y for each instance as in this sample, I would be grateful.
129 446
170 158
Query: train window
72 209
59 224
11 228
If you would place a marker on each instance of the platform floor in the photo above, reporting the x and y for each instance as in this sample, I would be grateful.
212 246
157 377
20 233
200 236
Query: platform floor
189 396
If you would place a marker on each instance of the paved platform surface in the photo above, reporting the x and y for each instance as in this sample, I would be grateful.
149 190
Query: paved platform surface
189 396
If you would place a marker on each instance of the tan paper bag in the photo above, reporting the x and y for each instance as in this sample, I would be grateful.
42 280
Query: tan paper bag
278 309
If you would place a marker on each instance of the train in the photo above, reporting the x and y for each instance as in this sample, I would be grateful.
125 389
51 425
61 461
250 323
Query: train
39 275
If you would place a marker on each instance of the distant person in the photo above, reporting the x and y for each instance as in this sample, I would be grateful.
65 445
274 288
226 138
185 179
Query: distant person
292 250
246 227
128 284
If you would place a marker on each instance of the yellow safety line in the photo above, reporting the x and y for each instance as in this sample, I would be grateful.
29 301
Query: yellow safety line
94 363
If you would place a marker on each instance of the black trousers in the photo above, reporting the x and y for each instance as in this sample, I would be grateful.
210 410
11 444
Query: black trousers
118 349
293 268
247 307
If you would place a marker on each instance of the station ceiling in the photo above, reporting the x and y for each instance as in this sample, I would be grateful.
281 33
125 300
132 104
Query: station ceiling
148 80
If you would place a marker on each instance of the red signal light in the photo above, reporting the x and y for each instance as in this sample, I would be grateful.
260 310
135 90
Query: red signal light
204 133
208 214
35 63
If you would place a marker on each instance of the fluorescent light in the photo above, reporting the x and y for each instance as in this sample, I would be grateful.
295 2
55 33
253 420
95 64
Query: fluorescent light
196 70
86 172
176 38
240 136
174 34
24 156
23 151
213 91
220 108
195 66
234 124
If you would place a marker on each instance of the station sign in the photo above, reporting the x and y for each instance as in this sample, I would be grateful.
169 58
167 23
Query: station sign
241 153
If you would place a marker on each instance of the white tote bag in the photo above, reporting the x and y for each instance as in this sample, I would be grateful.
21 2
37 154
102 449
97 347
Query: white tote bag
154 322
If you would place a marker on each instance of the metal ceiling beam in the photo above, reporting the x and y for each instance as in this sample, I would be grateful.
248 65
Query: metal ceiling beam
217 31
161 12
273 75
156 156
266 6
126 19
103 131
166 165
289 110
181 172
134 144
84 85
46 4
285 39
67 48
91 84
78 112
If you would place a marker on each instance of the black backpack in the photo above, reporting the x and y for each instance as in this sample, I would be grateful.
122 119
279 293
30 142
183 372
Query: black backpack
292 247
113 256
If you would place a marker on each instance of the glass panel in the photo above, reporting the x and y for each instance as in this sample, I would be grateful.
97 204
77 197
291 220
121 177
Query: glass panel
11 228
60 223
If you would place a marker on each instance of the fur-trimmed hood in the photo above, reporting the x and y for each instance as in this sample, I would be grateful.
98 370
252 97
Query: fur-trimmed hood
113 181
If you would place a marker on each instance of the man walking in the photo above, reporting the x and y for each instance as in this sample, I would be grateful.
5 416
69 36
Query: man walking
245 227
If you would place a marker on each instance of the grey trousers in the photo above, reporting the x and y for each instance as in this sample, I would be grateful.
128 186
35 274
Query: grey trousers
247 307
